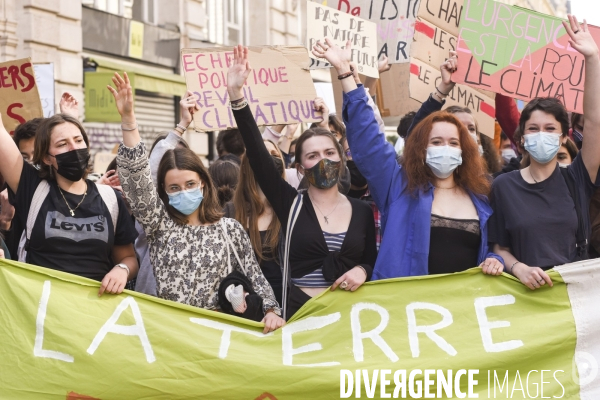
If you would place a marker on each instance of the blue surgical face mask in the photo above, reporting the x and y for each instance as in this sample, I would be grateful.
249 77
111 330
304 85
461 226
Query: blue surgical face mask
508 154
443 160
542 146
186 201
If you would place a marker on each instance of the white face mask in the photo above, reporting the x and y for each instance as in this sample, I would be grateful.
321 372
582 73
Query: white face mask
480 147
508 154
542 146
443 160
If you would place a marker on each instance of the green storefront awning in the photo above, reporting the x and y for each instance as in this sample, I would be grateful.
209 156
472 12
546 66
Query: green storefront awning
150 81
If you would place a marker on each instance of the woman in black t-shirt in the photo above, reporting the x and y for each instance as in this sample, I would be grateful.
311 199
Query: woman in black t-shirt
535 223
74 230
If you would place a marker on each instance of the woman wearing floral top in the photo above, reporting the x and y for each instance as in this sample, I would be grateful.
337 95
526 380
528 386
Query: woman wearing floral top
192 248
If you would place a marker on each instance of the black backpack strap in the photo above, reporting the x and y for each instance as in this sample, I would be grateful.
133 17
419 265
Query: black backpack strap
582 241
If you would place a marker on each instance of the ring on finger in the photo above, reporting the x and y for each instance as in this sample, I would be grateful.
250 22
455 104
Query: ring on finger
344 285
541 281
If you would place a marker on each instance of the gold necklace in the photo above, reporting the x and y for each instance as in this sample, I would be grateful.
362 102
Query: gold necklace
325 216
72 210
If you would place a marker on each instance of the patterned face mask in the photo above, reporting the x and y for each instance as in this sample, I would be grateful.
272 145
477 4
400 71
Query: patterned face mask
324 174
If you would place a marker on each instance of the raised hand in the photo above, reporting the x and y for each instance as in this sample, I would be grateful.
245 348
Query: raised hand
320 105
580 37
69 105
238 72
123 95
447 68
383 64
334 54
188 107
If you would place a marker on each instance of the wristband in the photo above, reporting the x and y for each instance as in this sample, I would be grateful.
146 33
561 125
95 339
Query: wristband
512 266
347 74
129 129
181 127
440 92
364 270
125 267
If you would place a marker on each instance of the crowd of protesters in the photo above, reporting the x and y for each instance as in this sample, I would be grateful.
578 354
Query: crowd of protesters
278 219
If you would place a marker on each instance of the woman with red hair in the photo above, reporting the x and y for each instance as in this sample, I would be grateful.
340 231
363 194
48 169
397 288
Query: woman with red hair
434 205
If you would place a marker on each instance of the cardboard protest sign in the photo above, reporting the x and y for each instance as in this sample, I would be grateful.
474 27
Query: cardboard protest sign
395 23
54 327
425 79
431 44
519 53
279 89
326 22
444 14
19 96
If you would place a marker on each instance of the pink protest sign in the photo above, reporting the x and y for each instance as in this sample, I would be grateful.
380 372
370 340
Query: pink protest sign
519 53
279 89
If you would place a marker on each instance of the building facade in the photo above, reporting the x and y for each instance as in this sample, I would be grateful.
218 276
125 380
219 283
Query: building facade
87 40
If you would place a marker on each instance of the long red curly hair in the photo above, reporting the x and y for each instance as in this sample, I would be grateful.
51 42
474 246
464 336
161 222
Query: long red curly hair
469 176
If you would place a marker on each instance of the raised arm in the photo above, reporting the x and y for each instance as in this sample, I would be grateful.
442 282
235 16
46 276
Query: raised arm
279 193
11 161
132 160
582 41
437 99
375 158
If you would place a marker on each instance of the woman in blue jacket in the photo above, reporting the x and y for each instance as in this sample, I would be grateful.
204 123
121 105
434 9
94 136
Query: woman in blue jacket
434 205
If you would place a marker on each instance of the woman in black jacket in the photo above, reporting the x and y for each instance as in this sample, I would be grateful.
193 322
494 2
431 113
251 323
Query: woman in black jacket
333 240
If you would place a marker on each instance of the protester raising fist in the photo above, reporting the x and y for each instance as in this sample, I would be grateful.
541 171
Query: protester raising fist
434 203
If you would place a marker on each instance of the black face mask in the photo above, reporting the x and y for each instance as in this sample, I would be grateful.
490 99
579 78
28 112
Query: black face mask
72 164
356 178
278 164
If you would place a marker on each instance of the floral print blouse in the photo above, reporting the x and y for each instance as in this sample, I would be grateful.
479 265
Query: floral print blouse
189 262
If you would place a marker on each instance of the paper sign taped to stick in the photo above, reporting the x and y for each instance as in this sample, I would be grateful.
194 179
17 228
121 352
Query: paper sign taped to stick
519 53
279 89
326 22
395 23
442 13
19 96
425 78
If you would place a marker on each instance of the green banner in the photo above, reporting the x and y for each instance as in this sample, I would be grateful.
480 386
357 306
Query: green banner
59 340
99 102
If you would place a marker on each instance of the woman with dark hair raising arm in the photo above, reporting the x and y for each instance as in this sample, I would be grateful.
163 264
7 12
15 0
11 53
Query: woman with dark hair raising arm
434 206
333 240
193 250
541 213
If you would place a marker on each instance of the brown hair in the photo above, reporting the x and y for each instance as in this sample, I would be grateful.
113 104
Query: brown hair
185 159
249 206
225 175
548 105
43 134
469 176
575 119
312 132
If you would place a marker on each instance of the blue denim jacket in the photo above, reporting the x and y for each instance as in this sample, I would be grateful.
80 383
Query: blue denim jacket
405 216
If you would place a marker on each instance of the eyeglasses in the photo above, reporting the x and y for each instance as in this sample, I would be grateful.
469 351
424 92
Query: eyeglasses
172 189
348 153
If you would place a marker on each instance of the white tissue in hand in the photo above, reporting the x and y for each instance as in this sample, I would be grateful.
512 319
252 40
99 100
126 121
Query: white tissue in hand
235 295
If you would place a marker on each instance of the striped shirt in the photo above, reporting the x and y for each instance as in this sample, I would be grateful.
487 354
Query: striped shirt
316 279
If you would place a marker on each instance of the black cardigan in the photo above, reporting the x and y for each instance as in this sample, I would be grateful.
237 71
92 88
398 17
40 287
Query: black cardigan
308 249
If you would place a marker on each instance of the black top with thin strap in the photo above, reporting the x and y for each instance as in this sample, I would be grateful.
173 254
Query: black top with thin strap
454 244
308 249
